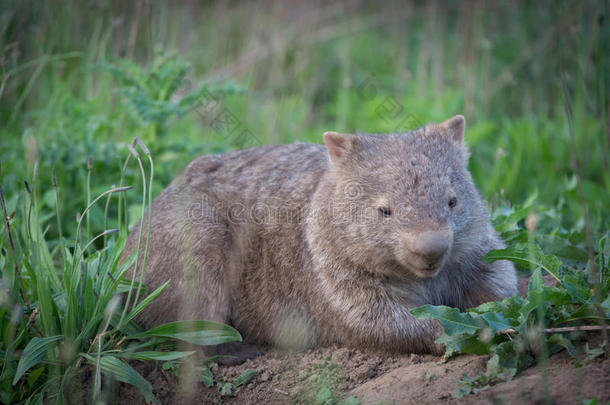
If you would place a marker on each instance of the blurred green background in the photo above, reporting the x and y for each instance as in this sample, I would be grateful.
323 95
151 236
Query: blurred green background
80 79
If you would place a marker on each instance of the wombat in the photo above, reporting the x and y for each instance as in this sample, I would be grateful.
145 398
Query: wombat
303 244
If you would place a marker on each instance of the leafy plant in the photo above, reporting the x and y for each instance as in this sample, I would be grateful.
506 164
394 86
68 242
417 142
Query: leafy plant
64 313
494 373
227 389
518 331
162 91
325 397
207 377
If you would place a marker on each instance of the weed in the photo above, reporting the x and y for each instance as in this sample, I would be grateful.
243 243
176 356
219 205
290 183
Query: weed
518 331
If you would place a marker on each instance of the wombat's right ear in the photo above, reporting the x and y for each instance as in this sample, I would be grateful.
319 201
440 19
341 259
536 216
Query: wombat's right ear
340 146
455 127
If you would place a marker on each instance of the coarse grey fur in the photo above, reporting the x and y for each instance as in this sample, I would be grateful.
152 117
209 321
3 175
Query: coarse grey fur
301 245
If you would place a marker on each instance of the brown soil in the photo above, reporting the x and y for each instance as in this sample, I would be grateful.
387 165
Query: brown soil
338 373
300 377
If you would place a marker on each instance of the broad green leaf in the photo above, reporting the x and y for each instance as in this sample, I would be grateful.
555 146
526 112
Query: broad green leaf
33 354
203 333
586 311
578 289
496 321
561 247
491 306
561 340
124 373
526 256
536 282
453 321
511 354
540 295
509 308
245 377
462 343
161 356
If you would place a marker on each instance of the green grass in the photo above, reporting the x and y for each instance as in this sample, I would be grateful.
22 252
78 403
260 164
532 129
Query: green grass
80 80
63 319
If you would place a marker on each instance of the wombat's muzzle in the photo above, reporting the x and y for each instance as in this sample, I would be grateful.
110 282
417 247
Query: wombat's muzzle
424 252
431 246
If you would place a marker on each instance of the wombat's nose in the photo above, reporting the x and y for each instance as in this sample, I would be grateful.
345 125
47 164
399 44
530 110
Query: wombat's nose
431 245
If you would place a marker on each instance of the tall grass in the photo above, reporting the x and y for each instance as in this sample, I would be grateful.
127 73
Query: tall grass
64 320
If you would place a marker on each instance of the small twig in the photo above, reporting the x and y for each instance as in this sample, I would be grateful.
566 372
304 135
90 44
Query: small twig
31 320
585 328
120 342
281 391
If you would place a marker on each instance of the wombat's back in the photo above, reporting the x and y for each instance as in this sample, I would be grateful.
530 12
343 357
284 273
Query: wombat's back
220 213
284 172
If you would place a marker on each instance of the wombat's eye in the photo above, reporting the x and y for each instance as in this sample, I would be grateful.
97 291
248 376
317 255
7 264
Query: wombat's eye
452 202
386 212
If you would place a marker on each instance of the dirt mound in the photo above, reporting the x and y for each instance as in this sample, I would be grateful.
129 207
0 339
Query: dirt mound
327 374
428 383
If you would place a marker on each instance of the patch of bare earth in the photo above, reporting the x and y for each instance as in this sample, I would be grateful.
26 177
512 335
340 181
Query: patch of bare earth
428 383
289 377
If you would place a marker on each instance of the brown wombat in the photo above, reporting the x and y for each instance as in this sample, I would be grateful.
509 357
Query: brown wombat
300 245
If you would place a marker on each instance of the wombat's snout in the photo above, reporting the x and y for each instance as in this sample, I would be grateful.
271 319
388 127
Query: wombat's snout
424 252
431 246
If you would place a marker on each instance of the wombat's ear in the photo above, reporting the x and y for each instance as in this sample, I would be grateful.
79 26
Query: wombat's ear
340 146
455 127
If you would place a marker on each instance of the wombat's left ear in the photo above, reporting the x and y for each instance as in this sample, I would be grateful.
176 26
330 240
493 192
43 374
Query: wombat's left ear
340 147
455 127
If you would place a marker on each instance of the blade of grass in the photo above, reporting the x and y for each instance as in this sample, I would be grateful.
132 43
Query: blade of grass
33 354
203 333
124 373
16 274
87 216
148 230
145 302
57 213
136 155
80 220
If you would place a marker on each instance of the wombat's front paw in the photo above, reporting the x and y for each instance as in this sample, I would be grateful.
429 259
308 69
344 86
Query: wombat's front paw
435 348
